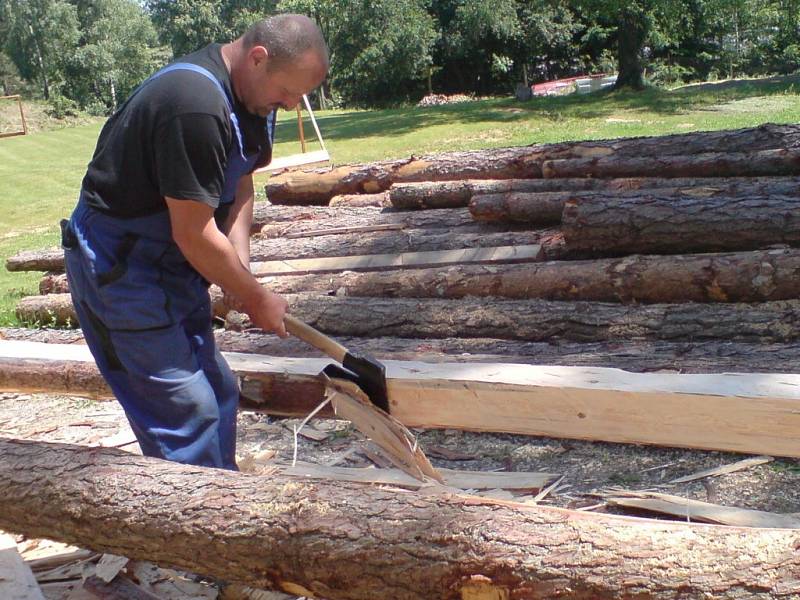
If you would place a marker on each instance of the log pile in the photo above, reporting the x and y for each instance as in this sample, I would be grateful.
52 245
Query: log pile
590 253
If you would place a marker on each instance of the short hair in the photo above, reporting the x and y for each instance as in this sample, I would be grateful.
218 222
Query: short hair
287 37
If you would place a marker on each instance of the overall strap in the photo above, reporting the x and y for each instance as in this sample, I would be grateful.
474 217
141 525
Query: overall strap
208 75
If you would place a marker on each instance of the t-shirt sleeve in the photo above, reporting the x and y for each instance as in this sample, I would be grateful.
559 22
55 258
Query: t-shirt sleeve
190 153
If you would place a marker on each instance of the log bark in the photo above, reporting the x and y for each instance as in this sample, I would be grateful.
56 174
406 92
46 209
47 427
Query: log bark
655 224
546 208
718 164
736 277
454 194
459 219
351 542
527 320
386 242
319 186
53 282
50 259
262 248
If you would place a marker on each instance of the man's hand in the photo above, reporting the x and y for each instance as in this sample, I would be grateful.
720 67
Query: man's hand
266 311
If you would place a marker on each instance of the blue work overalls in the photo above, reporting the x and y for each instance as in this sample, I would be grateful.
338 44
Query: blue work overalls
146 316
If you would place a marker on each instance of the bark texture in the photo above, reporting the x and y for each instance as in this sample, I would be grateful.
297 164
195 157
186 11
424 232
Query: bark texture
459 218
53 282
655 224
718 164
386 242
526 320
454 194
350 542
736 277
50 259
319 186
546 208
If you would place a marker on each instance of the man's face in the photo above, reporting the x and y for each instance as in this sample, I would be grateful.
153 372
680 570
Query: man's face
266 86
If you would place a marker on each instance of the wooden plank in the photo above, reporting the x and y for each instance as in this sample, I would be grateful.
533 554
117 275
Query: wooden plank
16 579
754 413
377 262
463 480
695 510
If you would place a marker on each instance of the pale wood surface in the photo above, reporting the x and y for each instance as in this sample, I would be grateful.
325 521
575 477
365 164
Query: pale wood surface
757 413
16 579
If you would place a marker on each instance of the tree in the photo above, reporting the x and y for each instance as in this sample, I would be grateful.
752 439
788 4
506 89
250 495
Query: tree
379 50
40 35
187 25
117 50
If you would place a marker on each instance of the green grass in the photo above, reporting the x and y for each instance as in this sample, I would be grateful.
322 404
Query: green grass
40 174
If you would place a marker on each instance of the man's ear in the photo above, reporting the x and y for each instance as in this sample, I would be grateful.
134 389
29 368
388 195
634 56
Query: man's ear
258 55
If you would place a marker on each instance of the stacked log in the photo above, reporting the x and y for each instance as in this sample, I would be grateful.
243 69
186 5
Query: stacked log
703 266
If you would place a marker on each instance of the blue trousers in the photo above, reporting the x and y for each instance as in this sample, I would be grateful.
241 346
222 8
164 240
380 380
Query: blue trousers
146 317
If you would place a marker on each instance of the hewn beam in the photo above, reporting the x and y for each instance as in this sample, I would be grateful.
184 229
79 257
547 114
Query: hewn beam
761 411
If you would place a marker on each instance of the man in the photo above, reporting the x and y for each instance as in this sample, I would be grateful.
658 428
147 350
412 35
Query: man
165 207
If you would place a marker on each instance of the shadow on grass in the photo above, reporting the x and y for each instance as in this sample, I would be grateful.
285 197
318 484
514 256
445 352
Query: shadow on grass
399 121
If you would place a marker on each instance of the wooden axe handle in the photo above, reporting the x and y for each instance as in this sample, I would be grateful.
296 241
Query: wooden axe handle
319 340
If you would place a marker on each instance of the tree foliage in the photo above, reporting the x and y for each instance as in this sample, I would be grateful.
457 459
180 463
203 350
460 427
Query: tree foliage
94 52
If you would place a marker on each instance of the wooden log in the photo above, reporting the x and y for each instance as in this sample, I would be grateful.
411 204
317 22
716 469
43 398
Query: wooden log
380 199
654 224
761 410
385 242
783 161
525 320
635 356
453 194
381 262
50 259
54 282
735 277
319 186
349 244
345 541
459 218
546 208
335 264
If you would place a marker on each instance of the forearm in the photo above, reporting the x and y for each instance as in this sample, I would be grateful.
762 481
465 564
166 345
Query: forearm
240 219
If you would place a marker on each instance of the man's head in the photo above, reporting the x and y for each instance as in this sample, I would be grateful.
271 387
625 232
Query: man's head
276 61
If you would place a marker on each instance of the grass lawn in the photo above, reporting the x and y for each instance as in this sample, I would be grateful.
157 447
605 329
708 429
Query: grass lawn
40 173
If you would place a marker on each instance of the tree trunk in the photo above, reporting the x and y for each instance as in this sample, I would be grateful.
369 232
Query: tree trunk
351 542
386 242
737 277
454 194
320 185
632 33
546 208
654 224
526 320
717 164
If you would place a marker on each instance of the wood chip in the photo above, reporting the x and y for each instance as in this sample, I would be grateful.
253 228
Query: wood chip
725 469
16 579
695 510
447 454
109 566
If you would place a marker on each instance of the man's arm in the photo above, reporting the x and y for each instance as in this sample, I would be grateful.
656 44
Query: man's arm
240 219
210 252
